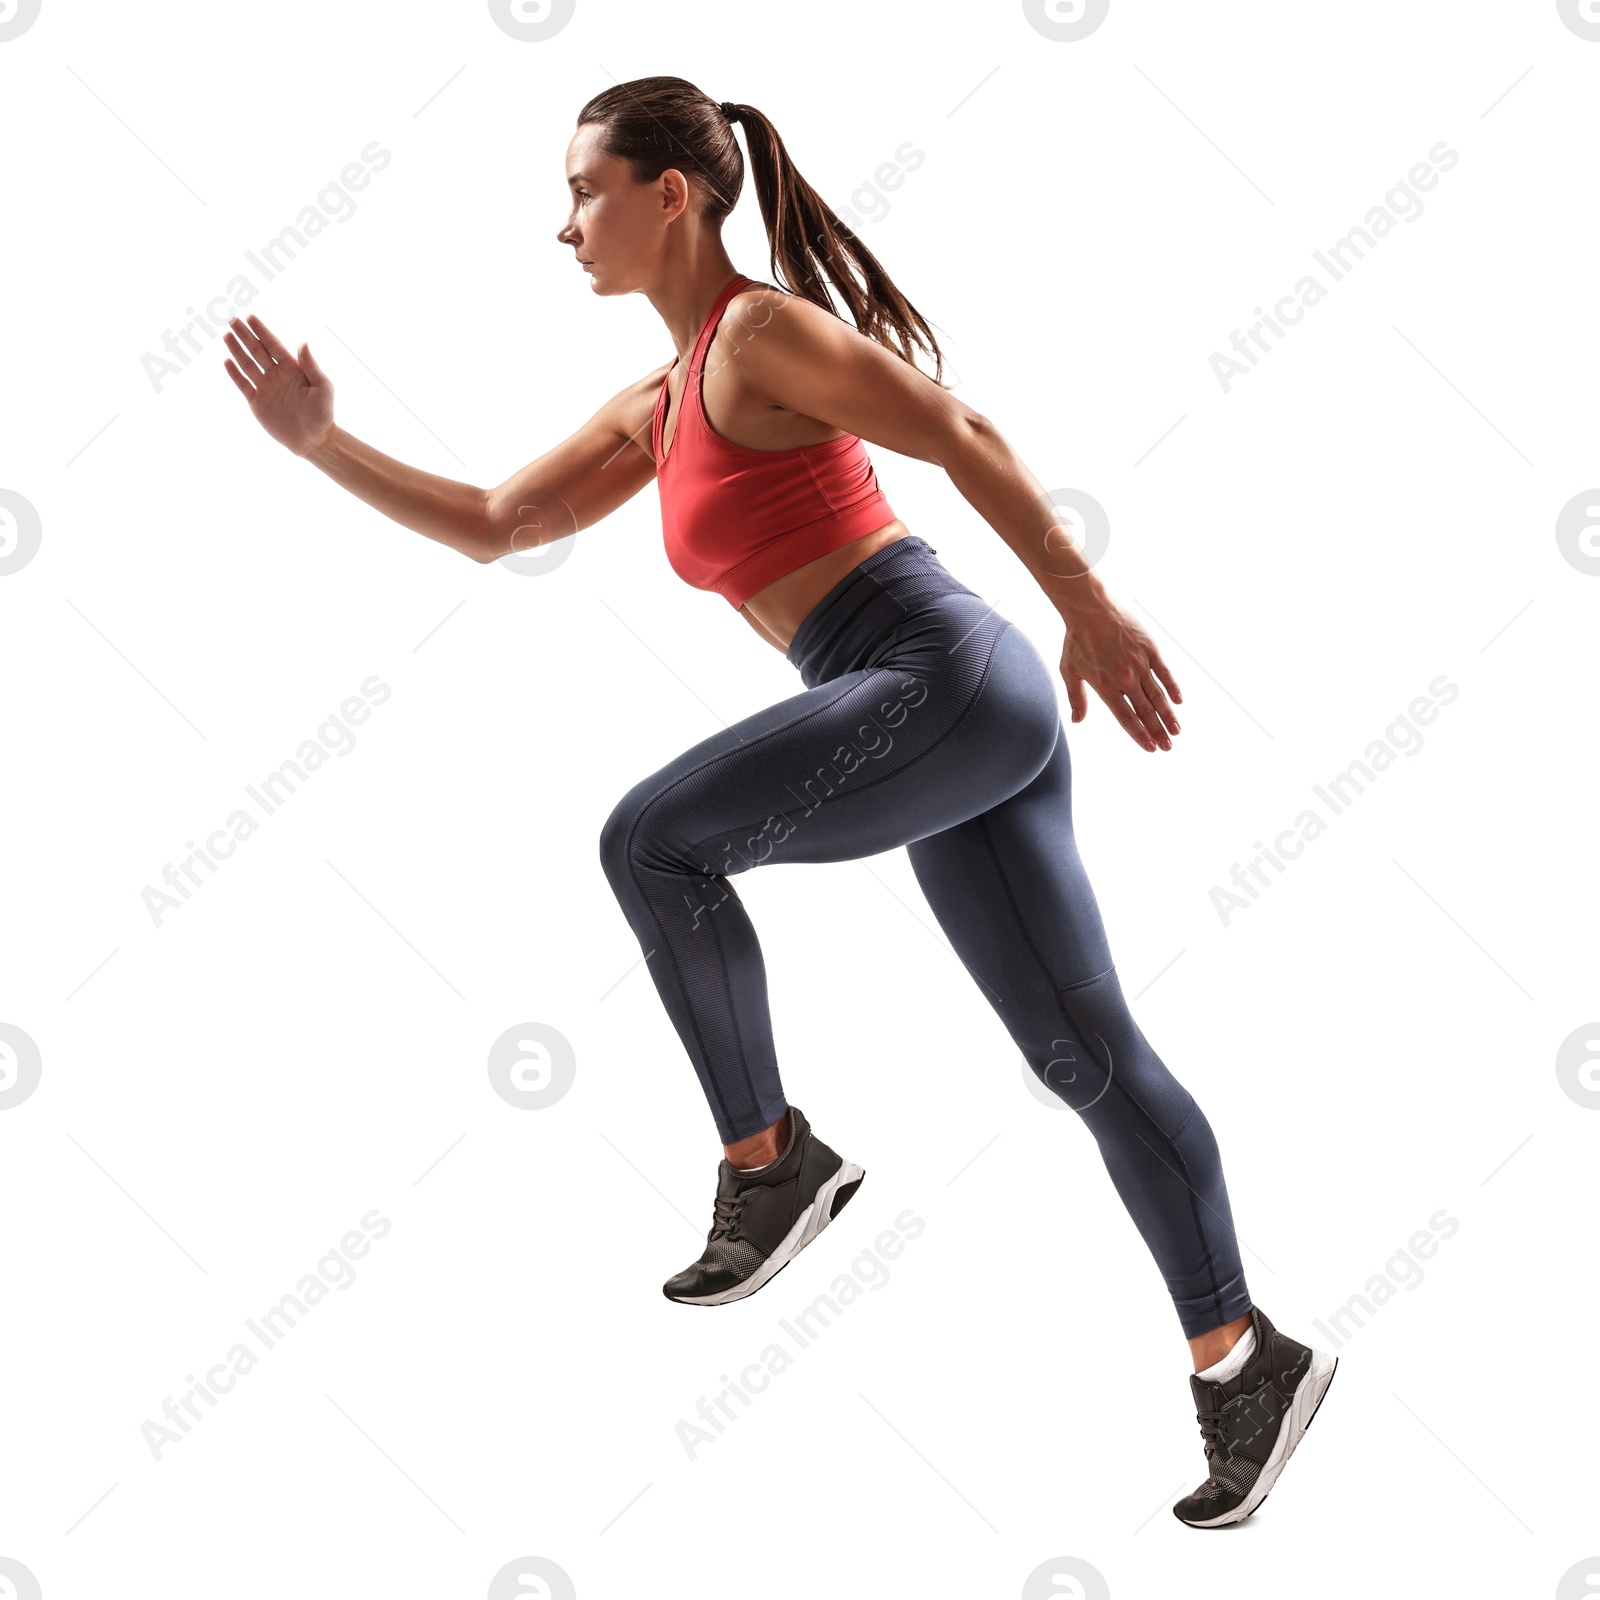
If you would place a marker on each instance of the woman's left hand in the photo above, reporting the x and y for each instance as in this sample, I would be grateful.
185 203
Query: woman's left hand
1108 650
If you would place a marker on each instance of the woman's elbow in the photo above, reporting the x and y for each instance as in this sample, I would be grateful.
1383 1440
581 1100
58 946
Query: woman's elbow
967 431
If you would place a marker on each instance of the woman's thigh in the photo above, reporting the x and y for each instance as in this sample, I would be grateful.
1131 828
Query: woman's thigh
1010 890
942 729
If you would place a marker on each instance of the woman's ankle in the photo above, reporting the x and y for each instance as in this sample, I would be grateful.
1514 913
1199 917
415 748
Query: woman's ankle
1207 1349
760 1149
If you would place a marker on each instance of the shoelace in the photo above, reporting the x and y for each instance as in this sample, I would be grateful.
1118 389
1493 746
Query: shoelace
725 1215
1213 1429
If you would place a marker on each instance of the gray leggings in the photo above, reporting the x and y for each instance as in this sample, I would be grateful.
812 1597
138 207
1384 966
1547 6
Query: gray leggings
930 721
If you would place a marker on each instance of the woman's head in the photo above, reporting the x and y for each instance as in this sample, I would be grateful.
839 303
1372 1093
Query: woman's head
655 162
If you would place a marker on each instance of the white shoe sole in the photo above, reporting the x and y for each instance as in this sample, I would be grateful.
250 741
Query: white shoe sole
1295 1422
806 1227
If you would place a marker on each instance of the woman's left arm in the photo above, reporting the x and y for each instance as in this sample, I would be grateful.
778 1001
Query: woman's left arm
805 359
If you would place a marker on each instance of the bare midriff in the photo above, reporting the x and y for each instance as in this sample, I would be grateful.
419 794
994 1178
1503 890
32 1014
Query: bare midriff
777 611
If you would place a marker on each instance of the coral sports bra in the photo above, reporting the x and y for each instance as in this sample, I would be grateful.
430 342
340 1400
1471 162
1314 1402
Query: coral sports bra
735 519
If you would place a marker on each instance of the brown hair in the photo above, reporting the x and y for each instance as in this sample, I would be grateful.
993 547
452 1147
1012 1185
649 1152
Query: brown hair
660 122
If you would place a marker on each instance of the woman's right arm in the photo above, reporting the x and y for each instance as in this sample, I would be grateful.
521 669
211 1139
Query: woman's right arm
570 487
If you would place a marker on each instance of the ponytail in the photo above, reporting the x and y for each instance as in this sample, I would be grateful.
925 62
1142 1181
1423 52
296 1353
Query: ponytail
660 122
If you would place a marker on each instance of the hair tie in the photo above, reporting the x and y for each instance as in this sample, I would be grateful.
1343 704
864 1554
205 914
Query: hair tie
729 110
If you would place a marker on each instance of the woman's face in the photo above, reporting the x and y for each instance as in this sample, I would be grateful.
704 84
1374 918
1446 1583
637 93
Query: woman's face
616 228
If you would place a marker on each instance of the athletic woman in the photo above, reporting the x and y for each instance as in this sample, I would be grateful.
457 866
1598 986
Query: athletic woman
927 719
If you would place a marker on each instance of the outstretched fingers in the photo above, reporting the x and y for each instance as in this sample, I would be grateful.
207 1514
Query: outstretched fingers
1164 672
246 389
257 348
1130 720
1154 715
249 365
275 347
1077 696
1155 698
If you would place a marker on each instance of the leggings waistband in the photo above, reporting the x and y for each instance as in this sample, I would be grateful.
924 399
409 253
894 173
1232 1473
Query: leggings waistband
858 618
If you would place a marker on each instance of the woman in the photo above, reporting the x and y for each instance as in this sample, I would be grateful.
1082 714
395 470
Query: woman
927 719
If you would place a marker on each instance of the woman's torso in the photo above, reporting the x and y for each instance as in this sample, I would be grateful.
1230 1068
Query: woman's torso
733 411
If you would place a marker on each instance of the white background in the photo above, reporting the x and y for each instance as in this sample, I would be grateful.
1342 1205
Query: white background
224 1096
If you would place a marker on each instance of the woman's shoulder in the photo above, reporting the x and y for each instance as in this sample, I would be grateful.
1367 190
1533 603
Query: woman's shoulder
757 304
756 298
803 332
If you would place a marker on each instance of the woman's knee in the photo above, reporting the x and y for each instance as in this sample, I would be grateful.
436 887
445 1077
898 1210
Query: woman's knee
619 834
645 832
1135 1075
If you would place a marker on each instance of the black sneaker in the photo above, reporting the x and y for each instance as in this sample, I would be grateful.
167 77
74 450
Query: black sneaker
1252 1423
763 1219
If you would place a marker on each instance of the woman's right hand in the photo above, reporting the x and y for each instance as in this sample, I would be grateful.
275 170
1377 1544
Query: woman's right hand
1108 649
291 397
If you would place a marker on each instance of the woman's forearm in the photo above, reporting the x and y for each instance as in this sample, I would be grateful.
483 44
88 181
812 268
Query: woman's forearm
998 486
455 514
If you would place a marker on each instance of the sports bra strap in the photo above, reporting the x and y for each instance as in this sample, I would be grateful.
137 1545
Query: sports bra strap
698 355
735 518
